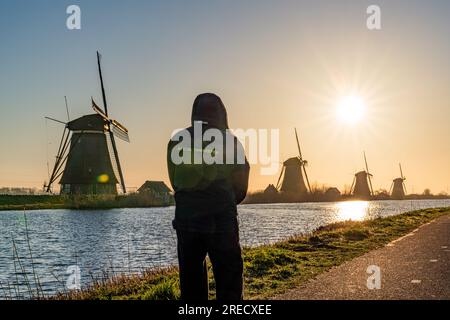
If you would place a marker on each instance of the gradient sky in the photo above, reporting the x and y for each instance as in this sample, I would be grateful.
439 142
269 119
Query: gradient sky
276 64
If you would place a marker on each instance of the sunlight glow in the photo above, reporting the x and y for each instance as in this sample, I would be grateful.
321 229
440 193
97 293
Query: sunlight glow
352 210
350 109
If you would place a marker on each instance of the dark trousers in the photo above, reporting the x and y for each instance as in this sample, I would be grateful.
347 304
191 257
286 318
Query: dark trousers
224 251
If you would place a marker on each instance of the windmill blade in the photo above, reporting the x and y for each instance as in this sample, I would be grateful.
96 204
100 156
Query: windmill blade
365 161
61 151
111 126
371 187
105 104
368 174
279 178
115 126
401 171
353 184
307 179
62 157
58 121
67 109
392 186
298 145
119 167
98 110
119 131
404 188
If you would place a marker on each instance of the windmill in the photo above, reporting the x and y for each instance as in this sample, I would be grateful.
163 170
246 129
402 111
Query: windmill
398 189
87 159
293 170
362 183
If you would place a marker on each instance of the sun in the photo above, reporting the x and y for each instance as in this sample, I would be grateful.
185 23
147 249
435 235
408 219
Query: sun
350 109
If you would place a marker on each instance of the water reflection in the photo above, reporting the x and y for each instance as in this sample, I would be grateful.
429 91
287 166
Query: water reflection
131 240
352 210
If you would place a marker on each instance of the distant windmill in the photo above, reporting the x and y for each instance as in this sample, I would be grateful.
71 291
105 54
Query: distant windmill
293 170
85 161
398 189
362 183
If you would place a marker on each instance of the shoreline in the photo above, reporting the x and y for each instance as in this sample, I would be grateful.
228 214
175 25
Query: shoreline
9 208
106 204
97 202
272 269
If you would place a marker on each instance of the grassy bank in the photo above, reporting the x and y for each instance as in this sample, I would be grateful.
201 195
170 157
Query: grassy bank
37 202
271 269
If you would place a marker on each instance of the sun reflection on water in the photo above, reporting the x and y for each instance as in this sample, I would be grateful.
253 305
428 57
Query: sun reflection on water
352 210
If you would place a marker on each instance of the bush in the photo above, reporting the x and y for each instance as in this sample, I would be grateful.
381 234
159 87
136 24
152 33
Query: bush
166 290
356 234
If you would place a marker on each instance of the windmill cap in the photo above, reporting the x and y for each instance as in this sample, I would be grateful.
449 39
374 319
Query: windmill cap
93 122
210 109
363 173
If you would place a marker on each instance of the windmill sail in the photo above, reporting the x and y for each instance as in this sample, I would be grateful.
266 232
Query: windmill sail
368 174
111 134
119 131
113 125
304 162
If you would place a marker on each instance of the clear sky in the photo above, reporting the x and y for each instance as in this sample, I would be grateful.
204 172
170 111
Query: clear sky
276 64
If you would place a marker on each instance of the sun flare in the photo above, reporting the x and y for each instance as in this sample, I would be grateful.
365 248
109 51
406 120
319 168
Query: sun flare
350 109
352 210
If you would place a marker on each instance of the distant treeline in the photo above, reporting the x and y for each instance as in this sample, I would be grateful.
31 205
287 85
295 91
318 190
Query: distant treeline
322 194
35 202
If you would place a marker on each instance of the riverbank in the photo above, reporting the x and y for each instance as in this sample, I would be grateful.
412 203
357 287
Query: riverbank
261 197
135 200
41 202
272 269
413 267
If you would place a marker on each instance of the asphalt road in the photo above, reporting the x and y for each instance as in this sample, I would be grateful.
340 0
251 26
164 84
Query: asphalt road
416 266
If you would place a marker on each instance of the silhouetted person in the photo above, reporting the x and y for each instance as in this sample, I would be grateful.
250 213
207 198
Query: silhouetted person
206 197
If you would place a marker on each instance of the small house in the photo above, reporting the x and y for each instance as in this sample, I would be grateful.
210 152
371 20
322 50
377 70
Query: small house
156 188
332 194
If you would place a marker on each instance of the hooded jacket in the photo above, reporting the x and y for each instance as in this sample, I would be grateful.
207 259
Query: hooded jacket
207 195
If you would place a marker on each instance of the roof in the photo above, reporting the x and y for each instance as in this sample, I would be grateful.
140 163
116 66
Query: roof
295 161
333 190
271 189
91 122
363 174
155 186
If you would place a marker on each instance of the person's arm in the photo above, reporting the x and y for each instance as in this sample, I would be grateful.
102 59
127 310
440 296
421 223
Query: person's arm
240 181
240 175
170 165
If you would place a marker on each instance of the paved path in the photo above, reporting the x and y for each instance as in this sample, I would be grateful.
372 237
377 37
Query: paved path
416 266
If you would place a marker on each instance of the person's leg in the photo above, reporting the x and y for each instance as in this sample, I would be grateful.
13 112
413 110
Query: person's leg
192 264
225 254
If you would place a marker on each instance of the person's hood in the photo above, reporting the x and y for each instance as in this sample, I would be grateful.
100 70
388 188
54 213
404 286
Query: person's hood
209 108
